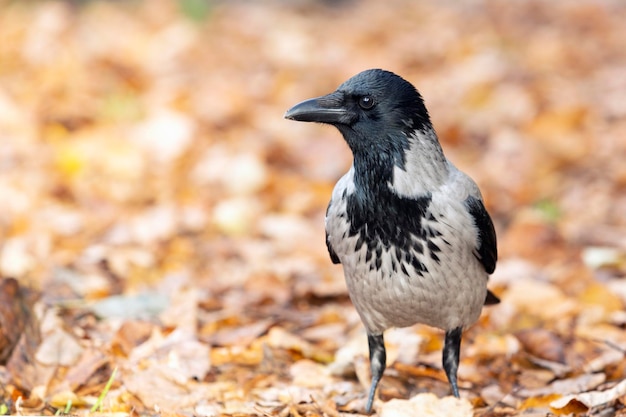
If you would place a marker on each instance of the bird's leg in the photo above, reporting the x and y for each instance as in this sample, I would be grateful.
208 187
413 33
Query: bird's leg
451 353
378 361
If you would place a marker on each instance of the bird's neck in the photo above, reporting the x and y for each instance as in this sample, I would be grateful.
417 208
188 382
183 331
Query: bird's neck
372 171
425 169
418 170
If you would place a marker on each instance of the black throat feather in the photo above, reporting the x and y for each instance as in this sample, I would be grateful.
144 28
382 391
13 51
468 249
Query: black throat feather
383 219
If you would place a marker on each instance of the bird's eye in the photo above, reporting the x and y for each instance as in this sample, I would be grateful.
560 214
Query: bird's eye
366 102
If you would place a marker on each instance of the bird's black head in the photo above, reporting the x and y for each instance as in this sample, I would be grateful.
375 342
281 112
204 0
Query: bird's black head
374 110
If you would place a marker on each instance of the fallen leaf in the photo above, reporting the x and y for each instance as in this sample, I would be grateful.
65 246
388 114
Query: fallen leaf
140 306
241 334
281 338
543 344
307 373
538 401
427 405
156 388
15 313
563 386
130 334
592 398
89 363
58 348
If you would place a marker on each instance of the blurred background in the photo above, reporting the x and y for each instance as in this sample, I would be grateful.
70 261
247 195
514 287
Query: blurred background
145 167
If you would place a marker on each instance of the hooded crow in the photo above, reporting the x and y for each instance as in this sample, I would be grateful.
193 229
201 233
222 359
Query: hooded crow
410 230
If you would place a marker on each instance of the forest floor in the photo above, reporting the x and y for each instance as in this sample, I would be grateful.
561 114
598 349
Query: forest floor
162 226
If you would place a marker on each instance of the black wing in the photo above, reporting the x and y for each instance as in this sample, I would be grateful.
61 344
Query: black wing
333 256
487 250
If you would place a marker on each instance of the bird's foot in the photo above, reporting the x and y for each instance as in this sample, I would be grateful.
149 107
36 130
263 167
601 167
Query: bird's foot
378 361
451 354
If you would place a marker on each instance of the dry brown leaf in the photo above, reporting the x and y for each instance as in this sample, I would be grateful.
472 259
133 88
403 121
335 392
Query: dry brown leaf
563 386
307 373
535 378
58 348
539 401
592 398
131 333
282 339
427 405
252 355
542 300
15 313
543 344
157 388
600 295
240 334
90 362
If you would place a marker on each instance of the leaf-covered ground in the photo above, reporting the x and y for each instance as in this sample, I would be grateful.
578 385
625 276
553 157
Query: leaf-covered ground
161 226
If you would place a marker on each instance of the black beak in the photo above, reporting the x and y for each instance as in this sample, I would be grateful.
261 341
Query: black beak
326 109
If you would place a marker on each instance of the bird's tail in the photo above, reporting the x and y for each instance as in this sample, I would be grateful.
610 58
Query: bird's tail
491 299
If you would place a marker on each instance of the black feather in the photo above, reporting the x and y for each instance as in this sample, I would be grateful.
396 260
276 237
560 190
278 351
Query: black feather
491 299
333 255
487 250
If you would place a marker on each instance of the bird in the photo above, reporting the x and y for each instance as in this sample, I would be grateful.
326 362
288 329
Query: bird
411 230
